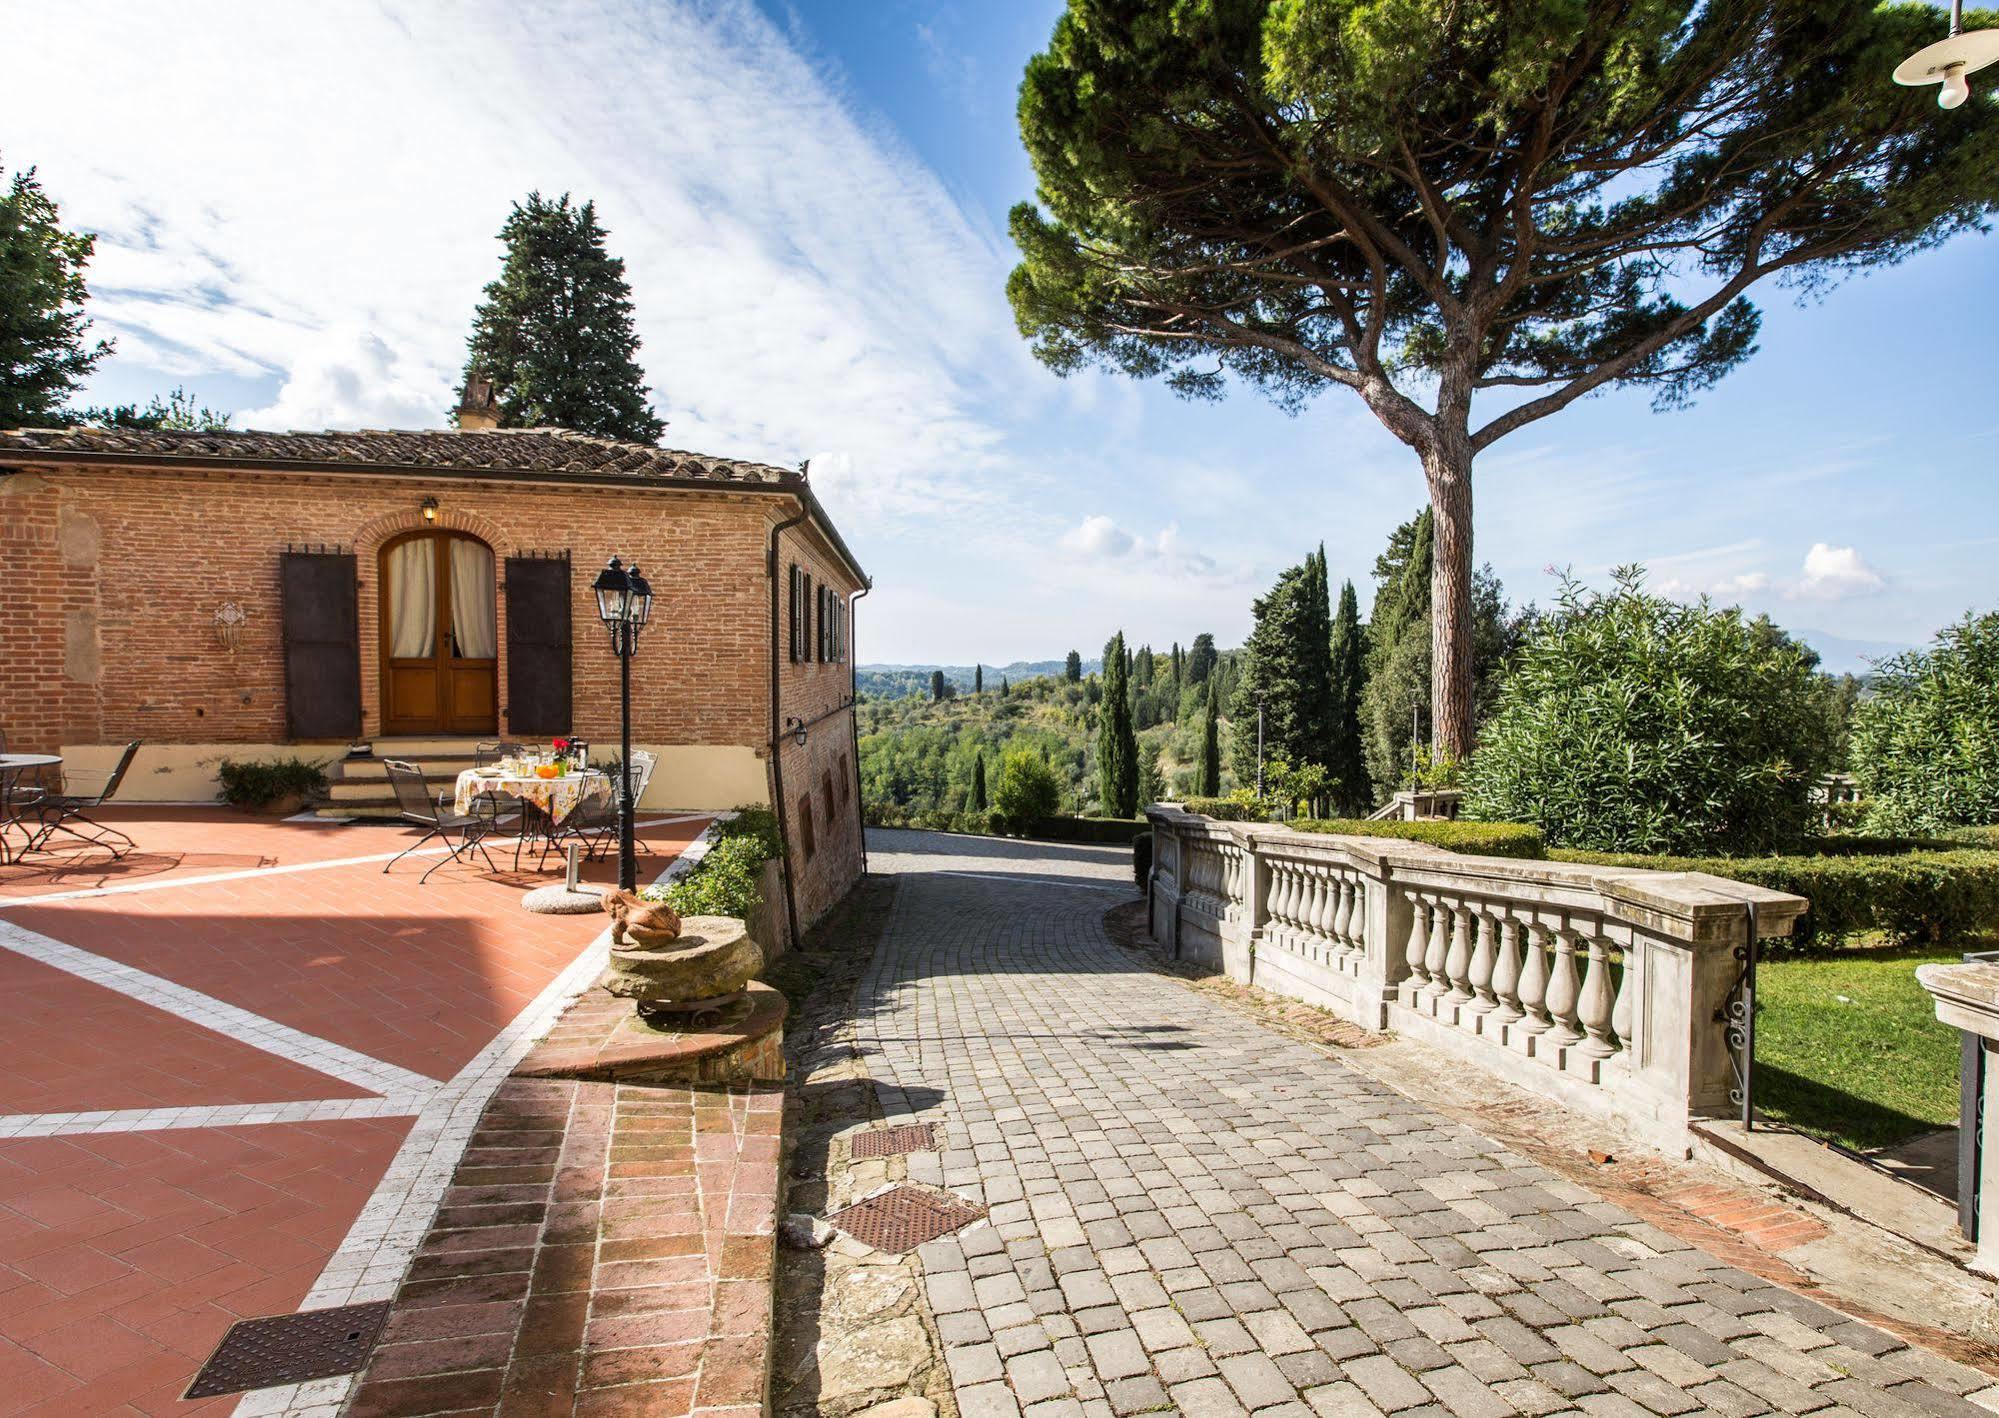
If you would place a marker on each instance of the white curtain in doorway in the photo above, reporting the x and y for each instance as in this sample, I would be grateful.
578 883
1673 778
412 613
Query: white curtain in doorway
413 600
473 624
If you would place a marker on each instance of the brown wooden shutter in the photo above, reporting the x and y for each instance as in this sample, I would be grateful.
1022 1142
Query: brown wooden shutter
322 631
805 604
538 646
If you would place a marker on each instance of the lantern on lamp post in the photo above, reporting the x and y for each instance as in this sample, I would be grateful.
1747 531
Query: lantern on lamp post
624 603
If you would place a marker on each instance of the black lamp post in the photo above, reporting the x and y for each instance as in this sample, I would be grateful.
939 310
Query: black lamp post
624 601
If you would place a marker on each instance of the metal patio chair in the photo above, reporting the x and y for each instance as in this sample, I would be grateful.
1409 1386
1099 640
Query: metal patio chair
69 813
485 755
595 823
461 833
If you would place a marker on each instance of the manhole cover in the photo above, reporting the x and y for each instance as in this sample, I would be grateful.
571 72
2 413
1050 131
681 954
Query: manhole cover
903 1218
894 1141
289 1349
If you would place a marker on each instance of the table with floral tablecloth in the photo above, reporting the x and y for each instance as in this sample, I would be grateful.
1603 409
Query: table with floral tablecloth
555 797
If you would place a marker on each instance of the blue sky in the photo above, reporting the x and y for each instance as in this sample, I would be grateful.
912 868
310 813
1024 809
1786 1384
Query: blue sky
296 211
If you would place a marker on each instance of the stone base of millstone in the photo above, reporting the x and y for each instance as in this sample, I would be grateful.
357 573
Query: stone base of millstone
604 1039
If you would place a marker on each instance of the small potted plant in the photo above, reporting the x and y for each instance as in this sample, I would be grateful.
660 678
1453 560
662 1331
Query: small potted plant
277 787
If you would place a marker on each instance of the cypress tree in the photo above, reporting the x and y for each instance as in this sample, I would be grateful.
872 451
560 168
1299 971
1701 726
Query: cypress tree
1142 668
43 330
1201 659
1072 669
936 685
1003 687
1151 784
555 331
1117 743
1285 666
978 679
1398 651
1210 782
1346 758
979 784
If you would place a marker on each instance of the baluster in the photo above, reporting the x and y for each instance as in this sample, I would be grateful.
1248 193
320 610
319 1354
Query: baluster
1506 968
1439 952
1343 914
1273 904
1482 963
1563 987
1620 1014
1534 978
1325 892
1419 940
1457 964
1291 904
1594 1005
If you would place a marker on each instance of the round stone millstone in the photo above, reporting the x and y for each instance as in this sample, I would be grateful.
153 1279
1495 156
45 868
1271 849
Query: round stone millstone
713 956
559 900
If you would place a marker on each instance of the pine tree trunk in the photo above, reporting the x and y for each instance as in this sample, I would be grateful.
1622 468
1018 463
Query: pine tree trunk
1448 468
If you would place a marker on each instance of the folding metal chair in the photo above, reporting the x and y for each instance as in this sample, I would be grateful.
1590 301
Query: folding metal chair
461 833
69 813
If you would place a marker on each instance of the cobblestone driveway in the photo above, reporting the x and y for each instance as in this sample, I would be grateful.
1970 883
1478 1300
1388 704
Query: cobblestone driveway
1192 1214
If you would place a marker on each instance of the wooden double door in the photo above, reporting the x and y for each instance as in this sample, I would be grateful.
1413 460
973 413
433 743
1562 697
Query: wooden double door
439 635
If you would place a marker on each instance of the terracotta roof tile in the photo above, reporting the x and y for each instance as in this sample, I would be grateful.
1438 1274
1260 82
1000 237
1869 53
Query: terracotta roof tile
533 450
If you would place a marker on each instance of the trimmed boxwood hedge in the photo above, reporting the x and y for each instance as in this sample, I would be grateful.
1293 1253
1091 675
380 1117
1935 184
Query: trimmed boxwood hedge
1228 809
1475 839
1937 896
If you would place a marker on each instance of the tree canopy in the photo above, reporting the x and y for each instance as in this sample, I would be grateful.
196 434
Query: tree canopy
1926 744
1428 202
45 349
554 333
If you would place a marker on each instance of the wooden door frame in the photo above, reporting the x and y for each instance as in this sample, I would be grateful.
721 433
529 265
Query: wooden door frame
442 660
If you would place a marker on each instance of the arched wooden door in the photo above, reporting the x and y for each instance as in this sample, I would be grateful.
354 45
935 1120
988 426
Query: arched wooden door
440 635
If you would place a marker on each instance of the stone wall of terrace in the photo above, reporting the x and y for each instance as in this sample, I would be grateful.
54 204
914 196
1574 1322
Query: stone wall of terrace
1603 988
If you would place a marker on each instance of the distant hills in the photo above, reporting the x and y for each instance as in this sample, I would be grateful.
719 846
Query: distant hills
889 681
1841 656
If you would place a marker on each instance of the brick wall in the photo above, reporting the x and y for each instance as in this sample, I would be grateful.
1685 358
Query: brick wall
809 689
112 579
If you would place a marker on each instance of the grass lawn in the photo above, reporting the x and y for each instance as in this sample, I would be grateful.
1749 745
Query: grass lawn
1848 1047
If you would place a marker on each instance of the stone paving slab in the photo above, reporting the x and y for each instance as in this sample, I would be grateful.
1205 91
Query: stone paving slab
1191 1213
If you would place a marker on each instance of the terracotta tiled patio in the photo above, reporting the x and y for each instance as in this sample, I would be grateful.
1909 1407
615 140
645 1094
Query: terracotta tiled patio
193 1144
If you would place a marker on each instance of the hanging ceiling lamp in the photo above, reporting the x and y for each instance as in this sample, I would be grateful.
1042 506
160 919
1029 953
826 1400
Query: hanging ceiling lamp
1951 60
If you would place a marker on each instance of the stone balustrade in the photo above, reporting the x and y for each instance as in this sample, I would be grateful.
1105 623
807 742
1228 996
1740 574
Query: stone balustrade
1599 986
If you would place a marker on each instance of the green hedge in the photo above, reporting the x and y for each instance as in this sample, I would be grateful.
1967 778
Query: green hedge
1476 839
1939 896
1141 859
1228 809
1986 836
724 882
1118 830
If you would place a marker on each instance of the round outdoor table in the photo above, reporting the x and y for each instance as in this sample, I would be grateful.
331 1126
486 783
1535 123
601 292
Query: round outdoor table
12 766
545 802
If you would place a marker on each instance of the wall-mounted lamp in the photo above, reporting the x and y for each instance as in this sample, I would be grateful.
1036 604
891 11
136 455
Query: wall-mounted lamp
229 618
429 509
795 726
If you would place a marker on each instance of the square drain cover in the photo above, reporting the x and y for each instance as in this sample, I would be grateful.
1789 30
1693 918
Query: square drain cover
894 1141
903 1218
289 1349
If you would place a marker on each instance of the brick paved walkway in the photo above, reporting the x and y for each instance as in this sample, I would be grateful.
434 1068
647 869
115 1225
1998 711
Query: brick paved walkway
1192 1214
237 1068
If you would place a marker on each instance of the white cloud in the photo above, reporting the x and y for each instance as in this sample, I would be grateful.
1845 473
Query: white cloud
1097 536
310 194
1833 573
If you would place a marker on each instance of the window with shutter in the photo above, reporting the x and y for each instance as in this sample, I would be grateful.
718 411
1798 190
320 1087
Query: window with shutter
806 603
797 647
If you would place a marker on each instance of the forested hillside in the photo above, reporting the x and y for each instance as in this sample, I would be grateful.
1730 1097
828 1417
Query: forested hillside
921 752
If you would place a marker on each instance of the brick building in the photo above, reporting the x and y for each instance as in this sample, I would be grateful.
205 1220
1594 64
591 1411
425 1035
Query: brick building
246 595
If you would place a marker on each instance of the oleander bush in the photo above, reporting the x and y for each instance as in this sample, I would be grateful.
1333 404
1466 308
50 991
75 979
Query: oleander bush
1926 742
1920 895
1633 723
1477 839
258 783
